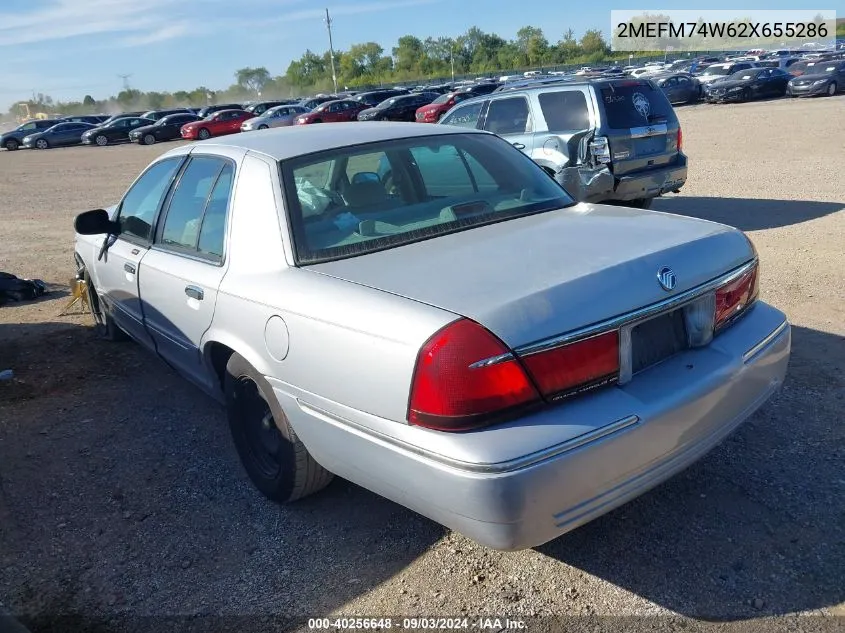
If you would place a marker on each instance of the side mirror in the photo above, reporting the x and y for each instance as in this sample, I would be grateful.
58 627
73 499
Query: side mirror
96 222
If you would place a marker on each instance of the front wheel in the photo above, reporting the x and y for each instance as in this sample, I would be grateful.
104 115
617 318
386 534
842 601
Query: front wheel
831 89
273 456
42 144
101 140
203 134
746 95
104 325
149 139
317 121
262 127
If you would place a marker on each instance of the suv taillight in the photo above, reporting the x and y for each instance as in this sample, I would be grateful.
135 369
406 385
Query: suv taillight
735 297
680 139
464 378
600 149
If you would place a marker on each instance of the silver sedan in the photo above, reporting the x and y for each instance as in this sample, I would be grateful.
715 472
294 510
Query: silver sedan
423 311
280 116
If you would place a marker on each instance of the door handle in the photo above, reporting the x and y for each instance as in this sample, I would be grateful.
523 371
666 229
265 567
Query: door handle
519 146
129 268
135 251
194 293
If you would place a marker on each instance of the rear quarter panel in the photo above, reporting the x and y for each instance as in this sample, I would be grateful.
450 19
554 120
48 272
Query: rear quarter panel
332 343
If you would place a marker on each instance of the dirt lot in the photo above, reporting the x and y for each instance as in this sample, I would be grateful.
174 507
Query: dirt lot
122 498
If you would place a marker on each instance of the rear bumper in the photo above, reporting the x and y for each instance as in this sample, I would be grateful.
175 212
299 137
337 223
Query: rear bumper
639 436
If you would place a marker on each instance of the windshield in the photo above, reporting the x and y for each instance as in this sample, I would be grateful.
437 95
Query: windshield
346 202
442 99
386 103
717 70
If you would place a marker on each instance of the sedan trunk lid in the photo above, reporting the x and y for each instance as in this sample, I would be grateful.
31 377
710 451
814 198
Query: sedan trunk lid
535 277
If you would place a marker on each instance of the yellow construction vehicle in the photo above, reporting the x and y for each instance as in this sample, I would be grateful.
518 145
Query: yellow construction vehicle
25 114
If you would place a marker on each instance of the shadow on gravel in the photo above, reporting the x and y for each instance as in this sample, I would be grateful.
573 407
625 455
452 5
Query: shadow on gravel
121 494
755 528
748 214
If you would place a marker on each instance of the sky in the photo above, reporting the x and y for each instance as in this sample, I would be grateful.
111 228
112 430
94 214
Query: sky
69 48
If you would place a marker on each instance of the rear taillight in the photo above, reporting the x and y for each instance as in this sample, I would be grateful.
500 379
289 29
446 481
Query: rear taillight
600 149
575 367
680 139
733 298
465 377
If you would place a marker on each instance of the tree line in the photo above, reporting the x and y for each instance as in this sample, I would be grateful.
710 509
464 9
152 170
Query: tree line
365 65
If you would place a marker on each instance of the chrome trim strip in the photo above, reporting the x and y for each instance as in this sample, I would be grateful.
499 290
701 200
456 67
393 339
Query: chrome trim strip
649 130
751 353
510 465
642 313
493 360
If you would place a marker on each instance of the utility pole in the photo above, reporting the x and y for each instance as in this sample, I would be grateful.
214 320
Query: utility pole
125 81
452 60
331 49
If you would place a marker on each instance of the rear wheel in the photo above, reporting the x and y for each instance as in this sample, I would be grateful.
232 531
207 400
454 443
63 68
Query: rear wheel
101 140
42 144
273 456
203 134
640 203
11 145
831 89
149 139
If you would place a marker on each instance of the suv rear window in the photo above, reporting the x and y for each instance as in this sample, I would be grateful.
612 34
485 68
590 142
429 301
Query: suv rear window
565 110
635 105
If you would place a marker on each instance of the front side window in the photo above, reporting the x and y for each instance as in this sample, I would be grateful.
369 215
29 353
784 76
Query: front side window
355 200
141 202
508 116
464 116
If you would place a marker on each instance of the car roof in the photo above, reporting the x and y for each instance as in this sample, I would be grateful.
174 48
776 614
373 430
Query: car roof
289 142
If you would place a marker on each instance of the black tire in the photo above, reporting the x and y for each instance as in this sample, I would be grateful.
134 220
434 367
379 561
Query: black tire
149 139
102 140
263 127
640 203
42 144
831 89
317 121
746 95
11 145
104 325
203 134
277 462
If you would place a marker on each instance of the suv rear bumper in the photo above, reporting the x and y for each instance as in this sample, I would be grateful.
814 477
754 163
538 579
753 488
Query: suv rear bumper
600 185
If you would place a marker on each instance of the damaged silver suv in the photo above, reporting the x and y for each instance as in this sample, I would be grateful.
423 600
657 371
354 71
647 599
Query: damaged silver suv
604 140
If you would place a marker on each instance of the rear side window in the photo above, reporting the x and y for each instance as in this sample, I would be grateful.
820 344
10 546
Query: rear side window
628 106
196 212
565 110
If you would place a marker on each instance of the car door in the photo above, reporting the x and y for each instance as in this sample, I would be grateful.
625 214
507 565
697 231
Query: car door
183 269
510 118
64 134
684 89
117 273
233 122
670 89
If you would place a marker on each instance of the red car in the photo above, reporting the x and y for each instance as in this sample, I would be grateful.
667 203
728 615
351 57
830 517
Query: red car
217 124
332 112
432 112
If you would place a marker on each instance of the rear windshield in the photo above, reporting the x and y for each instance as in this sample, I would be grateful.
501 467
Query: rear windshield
635 105
356 200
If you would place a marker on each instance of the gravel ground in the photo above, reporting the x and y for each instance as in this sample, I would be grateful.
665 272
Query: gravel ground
123 501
